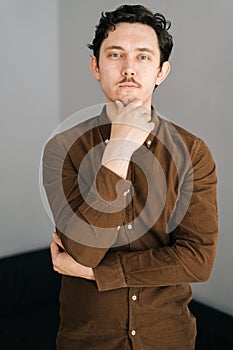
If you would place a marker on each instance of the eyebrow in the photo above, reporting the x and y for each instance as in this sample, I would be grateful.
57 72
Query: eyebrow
145 49
141 49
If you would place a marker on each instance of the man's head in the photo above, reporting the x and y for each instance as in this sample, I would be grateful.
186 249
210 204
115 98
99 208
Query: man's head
131 45
134 14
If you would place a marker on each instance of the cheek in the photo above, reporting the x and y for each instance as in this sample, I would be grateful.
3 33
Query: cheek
109 71
109 76
109 68
148 80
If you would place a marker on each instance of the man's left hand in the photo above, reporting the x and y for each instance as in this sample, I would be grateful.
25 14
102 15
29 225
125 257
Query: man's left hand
64 264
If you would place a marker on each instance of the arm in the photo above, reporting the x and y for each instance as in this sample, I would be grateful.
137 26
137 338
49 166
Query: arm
189 259
78 222
64 264
89 227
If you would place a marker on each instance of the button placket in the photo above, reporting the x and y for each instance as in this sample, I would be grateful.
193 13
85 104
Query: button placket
134 314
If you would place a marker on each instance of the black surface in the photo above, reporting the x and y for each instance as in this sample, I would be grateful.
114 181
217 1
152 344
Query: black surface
215 328
29 308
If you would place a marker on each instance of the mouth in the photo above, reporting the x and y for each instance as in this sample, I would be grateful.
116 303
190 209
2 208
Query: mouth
128 86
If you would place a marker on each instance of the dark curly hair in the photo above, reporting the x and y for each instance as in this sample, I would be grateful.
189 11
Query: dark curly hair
134 14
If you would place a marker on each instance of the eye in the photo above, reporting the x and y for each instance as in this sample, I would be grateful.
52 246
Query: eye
114 55
143 58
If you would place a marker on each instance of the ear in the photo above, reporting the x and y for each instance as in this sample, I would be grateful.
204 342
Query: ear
163 73
94 68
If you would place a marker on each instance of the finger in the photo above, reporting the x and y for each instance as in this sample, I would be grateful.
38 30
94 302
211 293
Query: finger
57 240
151 125
146 116
54 252
119 106
55 235
134 103
54 249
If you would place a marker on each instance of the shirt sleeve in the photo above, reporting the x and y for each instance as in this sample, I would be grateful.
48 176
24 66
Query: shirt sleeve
191 255
88 220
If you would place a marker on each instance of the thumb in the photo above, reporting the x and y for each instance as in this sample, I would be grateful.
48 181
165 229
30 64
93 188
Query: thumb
57 240
119 105
137 102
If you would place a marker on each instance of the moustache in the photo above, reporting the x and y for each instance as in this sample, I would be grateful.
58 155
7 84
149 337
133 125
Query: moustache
129 80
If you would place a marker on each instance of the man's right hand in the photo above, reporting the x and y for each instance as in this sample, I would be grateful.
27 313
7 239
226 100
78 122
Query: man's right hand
130 127
132 122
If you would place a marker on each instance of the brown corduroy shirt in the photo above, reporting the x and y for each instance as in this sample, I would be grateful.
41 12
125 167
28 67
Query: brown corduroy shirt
146 237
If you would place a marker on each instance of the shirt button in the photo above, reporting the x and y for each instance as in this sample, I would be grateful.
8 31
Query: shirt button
133 332
118 228
130 227
106 141
126 192
148 142
134 297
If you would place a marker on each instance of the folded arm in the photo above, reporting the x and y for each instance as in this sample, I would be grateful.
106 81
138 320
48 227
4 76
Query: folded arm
189 259
87 227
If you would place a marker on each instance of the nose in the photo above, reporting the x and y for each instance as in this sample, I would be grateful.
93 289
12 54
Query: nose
128 68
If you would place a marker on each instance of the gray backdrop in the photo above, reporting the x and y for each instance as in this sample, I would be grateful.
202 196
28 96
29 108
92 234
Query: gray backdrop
45 78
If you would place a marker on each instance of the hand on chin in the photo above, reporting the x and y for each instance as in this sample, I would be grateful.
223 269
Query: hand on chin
126 100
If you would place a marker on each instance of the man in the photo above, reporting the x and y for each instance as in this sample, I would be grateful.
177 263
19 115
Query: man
134 201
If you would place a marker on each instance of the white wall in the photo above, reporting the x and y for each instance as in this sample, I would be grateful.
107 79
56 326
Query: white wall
197 95
29 111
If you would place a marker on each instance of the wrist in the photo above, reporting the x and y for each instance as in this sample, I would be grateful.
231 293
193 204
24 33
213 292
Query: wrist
118 166
119 149
89 274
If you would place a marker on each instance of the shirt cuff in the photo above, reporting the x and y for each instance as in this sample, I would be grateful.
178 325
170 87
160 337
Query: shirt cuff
110 274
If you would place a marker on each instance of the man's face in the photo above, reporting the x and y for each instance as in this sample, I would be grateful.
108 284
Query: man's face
129 64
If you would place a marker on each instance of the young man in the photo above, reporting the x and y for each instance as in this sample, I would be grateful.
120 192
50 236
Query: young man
134 201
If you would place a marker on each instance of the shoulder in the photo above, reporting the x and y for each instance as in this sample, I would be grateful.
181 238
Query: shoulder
178 137
62 141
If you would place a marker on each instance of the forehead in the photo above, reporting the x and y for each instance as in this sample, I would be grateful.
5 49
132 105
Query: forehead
129 35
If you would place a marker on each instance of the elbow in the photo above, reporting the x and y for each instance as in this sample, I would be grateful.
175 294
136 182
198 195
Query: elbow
200 262
203 274
203 269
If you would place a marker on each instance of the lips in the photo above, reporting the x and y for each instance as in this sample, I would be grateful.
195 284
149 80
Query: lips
128 85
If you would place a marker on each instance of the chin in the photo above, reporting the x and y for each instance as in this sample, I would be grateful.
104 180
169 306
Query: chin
127 100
